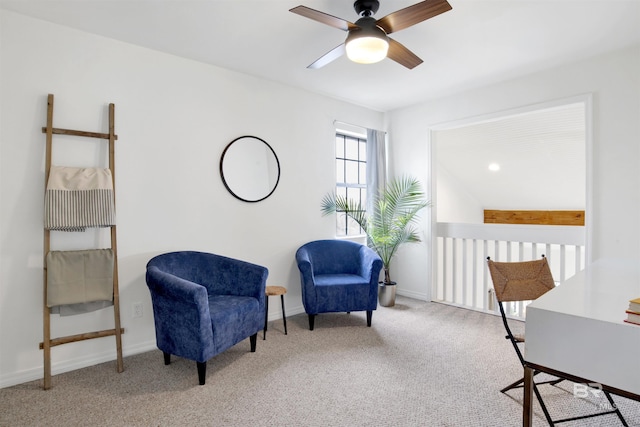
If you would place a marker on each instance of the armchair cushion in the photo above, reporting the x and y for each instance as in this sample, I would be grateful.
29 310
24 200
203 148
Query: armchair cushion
233 316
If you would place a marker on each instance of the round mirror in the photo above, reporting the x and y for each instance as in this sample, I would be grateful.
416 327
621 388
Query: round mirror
249 169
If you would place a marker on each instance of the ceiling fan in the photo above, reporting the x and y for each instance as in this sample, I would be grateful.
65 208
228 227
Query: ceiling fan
368 41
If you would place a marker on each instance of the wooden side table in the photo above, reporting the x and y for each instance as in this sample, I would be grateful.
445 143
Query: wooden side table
270 292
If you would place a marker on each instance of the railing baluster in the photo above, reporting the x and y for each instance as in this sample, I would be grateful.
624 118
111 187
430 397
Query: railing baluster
578 258
437 272
444 269
456 285
518 310
474 272
485 297
454 269
464 272
520 251
563 260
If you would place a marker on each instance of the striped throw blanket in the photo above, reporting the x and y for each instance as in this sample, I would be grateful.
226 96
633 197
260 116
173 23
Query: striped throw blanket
78 198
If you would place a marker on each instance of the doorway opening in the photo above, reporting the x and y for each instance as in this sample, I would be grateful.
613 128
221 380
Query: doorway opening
534 159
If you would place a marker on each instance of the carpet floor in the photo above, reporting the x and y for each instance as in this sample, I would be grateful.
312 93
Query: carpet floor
420 364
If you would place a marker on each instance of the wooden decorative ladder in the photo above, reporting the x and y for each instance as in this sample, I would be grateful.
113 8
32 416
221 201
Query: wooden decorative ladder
49 342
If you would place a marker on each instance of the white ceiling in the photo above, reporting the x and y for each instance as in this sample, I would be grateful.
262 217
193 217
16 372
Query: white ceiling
542 158
477 43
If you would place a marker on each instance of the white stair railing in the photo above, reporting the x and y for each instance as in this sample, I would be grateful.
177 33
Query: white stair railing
462 277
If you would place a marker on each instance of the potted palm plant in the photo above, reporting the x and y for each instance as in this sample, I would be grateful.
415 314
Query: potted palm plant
390 225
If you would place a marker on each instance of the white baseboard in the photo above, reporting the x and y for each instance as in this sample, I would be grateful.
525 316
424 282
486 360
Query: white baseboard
73 364
277 315
415 295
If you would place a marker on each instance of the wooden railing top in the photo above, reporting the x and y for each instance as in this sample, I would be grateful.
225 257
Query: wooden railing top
538 217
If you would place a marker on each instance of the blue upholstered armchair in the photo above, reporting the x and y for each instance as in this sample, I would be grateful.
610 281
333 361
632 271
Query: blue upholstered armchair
338 275
204 304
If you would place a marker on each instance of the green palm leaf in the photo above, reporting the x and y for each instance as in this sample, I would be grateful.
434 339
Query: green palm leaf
392 222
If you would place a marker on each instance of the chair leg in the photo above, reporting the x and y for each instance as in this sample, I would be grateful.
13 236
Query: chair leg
369 313
616 409
513 385
253 341
202 372
552 422
543 406
312 317
266 313
167 358
284 316
519 383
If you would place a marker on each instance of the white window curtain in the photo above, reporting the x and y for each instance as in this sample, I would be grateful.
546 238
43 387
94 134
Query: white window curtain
376 165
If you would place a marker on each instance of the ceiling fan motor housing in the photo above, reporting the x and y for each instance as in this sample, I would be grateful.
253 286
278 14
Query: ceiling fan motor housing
366 7
367 27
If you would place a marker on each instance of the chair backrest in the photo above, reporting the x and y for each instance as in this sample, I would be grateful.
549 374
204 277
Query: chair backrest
334 256
219 274
520 281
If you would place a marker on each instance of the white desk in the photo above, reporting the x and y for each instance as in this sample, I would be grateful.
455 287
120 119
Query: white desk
577 329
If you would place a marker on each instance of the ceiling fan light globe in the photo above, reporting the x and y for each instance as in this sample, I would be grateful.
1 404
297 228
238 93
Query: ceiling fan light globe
367 50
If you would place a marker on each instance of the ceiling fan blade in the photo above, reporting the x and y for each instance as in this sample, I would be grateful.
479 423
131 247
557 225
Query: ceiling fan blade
323 18
328 57
402 55
412 15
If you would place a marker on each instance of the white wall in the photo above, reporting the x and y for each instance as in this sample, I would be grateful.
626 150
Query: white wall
455 202
173 119
614 81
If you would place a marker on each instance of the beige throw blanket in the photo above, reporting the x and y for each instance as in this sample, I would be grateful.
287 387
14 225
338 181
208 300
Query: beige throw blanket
79 276
78 198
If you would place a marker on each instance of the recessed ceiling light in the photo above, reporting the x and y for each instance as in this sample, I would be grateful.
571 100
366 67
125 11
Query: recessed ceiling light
494 167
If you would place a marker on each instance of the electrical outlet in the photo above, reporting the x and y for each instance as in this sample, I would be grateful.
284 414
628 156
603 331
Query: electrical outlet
137 310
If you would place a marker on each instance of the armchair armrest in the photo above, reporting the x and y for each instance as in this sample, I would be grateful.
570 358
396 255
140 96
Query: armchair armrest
189 334
167 285
370 264
306 277
304 263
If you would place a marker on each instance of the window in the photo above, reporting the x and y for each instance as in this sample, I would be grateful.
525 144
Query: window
351 178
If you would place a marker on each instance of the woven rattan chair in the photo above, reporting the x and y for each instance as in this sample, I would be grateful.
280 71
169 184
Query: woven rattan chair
527 281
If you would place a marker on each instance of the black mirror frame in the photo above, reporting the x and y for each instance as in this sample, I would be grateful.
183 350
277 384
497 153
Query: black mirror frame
224 181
